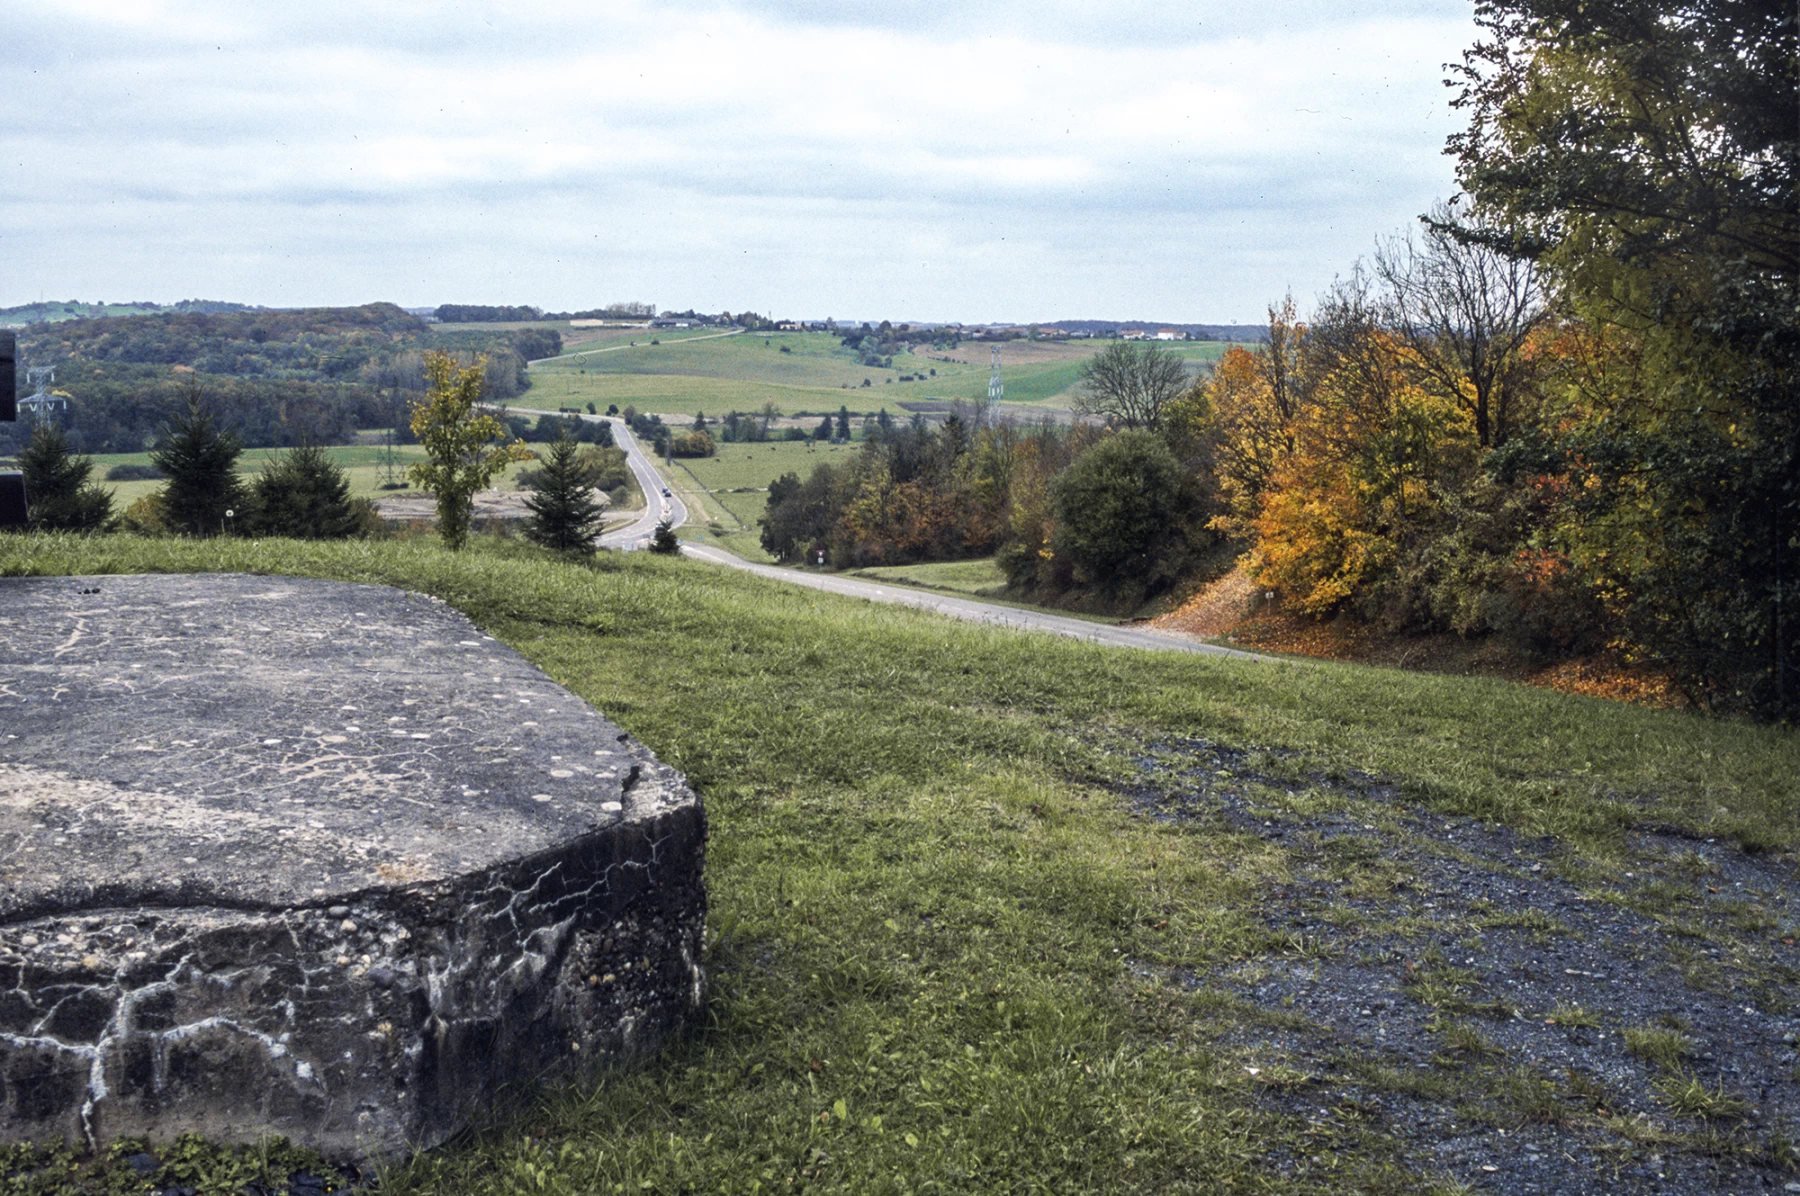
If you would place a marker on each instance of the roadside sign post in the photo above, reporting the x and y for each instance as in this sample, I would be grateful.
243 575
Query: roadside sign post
12 482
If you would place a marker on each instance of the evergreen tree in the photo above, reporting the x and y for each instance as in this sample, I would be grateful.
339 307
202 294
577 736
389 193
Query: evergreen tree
57 486
843 424
664 540
201 464
564 515
303 495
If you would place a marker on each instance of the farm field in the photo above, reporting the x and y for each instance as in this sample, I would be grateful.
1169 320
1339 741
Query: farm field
674 394
578 340
738 477
732 487
998 912
362 463
816 374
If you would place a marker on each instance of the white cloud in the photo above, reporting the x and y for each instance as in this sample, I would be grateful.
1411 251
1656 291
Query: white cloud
933 161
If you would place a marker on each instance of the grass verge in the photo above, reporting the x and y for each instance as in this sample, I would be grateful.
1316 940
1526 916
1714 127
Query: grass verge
931 907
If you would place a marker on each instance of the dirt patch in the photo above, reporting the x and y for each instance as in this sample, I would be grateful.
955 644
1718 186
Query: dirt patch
1507 1012
489 504
1214 610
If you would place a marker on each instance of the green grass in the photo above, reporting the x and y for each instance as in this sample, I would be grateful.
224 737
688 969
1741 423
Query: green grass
731 488
812 361
754 466
980 578
361 463
672 394
926 897
720 374
1662 1045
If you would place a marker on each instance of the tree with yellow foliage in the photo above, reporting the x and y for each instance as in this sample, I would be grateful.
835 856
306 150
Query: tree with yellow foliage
465 447
1256 397
1374 455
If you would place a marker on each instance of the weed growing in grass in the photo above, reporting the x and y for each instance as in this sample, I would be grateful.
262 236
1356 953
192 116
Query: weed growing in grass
1661 1045
1688 1096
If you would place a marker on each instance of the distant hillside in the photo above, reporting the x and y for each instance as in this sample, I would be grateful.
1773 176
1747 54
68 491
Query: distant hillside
274 376
312 343
1211 332
52 311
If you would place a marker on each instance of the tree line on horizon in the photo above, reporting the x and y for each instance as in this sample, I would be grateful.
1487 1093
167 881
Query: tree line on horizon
273 378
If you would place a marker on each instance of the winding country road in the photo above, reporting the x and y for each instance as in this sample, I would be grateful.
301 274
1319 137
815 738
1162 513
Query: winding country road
971 610
659 506
659 501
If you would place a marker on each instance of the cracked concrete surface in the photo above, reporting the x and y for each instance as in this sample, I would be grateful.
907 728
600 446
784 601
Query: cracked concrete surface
318 859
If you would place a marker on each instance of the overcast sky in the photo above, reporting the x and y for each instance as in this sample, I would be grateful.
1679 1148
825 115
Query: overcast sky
1007 160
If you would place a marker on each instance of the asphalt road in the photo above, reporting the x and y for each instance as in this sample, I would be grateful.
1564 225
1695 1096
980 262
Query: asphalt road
971 610
657 505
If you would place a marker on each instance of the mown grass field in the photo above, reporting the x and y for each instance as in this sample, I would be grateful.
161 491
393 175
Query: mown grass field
578 341
980 578
731 488
720 374
363 464
947 949
754 466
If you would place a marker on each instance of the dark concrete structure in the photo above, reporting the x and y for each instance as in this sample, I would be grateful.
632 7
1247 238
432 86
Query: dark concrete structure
316 859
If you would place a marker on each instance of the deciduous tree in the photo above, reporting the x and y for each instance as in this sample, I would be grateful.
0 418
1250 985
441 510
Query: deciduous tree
465 448
1115 508
1645 155
1129 383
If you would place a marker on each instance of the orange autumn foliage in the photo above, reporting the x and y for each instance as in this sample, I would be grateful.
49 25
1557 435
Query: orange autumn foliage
1372 453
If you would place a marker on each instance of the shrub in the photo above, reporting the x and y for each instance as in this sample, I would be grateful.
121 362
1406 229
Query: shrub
1116 509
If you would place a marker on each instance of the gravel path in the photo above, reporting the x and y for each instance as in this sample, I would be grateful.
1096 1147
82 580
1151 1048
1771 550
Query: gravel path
1487 1001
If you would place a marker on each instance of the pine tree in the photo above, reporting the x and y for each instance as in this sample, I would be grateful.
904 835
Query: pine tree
664 540
564 515
303 495
201 465
57 486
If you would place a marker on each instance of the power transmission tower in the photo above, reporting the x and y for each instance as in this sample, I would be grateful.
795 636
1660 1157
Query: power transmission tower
996 388
41 401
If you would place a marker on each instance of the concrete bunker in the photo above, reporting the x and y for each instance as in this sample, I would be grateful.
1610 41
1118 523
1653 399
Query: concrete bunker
309 858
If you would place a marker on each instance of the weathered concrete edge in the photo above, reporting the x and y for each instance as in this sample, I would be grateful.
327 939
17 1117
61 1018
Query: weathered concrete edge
609 931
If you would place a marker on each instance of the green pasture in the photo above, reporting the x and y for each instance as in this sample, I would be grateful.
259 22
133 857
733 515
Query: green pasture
816 374
946 954
754 466
361 463
813 360
732 487
981 578
676 395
